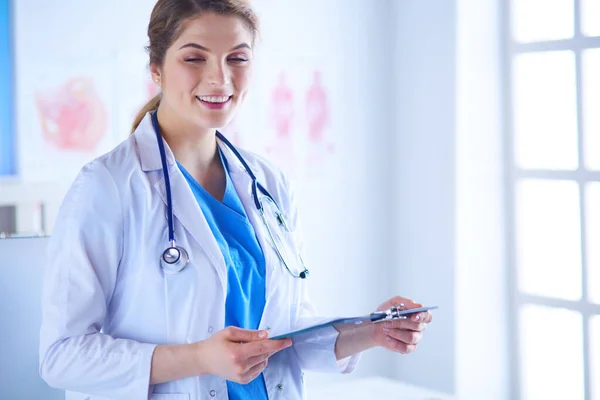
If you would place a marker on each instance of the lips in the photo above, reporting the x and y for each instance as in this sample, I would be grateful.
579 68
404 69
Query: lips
215 102
217 99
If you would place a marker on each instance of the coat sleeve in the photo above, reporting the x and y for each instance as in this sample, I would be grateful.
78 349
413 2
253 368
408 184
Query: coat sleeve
82 260
316 351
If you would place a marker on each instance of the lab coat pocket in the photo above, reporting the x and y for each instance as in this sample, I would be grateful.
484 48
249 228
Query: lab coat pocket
170 396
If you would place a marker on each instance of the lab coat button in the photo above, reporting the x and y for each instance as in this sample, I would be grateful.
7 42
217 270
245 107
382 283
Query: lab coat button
213 393
280 386
210 329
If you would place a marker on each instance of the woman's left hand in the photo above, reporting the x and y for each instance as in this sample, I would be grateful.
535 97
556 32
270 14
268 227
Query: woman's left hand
402 335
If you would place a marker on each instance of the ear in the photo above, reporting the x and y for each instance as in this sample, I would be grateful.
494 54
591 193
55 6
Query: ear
156 74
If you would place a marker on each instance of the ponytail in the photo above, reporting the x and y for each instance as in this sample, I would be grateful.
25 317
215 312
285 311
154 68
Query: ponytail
150 106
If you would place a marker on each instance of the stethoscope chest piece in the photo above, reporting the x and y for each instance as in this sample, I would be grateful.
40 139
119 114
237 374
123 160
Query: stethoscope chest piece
174 260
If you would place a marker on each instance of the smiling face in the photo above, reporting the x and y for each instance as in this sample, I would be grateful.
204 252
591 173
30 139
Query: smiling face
206 71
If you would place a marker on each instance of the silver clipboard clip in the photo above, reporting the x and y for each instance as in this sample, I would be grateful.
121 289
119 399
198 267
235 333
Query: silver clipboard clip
388 315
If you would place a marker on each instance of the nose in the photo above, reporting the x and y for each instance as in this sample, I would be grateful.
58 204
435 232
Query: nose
218 74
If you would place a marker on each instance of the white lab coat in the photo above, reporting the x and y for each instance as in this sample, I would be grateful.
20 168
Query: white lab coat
107 303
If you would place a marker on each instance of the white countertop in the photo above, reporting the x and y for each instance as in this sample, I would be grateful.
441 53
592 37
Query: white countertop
373 388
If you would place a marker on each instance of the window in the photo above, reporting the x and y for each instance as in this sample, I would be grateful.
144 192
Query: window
552 105
7 163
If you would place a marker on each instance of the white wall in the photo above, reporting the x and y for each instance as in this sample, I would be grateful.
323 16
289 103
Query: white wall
481 291
450 231
425 222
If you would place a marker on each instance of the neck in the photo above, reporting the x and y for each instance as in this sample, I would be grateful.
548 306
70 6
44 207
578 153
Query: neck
195 148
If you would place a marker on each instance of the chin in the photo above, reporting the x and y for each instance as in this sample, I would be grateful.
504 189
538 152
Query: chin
218 124
212 121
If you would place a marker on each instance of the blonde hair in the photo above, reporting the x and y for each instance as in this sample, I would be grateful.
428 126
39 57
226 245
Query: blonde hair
166 23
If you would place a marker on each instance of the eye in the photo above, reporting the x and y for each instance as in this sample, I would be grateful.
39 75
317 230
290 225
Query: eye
193 59
238 60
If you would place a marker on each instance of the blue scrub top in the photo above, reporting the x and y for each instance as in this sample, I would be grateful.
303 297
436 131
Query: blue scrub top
246 269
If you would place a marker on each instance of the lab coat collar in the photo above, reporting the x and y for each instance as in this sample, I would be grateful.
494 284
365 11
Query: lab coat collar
150 154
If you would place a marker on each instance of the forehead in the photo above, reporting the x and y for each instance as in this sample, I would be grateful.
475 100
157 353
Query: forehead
217 32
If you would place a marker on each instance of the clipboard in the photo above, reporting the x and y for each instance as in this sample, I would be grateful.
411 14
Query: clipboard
345 324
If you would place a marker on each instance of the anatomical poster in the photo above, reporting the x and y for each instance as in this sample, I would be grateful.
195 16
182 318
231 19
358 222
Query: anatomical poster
317 129
66 120
300 106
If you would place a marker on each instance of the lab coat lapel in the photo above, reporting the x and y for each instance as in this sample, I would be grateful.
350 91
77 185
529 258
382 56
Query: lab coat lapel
243 186
186 209
187 212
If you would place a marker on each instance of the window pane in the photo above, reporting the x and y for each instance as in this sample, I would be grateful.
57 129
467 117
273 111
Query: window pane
545 110
592 217
548 238
591 105
551 348
590 17
595 356
540 20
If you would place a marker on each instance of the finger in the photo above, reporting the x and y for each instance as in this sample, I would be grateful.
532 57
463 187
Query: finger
240 335
254 372
425 317
404 324
255 360
408 337
402 302
266 346
398 346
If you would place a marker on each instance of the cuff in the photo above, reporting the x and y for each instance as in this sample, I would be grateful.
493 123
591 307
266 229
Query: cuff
147 352
316 351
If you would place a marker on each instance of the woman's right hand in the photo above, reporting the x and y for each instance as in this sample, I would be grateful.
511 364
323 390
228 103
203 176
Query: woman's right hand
236 354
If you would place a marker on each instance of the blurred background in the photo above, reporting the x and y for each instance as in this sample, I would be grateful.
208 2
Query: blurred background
442 150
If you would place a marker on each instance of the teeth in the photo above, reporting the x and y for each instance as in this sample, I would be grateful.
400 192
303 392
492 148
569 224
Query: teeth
214 99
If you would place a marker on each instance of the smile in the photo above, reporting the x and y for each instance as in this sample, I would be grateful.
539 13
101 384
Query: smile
214 99
214 102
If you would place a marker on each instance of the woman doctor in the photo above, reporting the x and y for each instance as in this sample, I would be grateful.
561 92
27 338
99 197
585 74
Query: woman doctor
162 280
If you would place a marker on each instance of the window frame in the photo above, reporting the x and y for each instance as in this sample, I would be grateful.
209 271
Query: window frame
513 175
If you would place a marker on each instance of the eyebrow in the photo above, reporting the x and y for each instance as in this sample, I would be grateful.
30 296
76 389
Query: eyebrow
197 46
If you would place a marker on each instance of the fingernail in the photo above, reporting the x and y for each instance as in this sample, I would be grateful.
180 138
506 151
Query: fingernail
288 343
389 339
262 334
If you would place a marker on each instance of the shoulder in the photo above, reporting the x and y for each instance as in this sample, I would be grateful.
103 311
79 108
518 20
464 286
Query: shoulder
116 165
121 160
96 186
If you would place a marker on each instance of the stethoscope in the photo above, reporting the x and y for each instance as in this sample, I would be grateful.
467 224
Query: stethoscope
175 258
